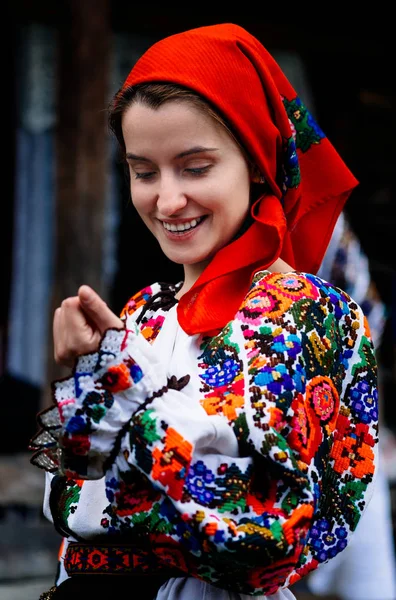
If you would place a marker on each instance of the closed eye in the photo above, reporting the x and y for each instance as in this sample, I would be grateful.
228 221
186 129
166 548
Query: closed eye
146 175
194 171
199 170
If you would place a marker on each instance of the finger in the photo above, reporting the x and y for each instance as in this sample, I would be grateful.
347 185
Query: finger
56 331
61 354
97 309
72 334
74 327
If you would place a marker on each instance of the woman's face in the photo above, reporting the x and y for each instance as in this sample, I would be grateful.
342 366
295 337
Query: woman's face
189 180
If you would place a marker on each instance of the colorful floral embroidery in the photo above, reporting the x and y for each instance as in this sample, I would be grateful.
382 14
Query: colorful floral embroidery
292 379
305 129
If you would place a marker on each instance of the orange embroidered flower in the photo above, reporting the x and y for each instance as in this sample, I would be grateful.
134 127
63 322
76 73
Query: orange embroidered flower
225 400
152 328
225 404
273 295
172 463
277 418
116 378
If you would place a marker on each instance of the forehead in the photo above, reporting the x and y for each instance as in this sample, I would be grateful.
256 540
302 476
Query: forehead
171 124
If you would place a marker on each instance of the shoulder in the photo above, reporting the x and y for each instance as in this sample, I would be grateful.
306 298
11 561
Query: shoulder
299 296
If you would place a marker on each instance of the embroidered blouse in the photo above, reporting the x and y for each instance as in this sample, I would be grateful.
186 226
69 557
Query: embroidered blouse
245 458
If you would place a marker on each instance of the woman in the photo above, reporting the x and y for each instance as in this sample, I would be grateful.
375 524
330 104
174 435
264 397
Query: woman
219 440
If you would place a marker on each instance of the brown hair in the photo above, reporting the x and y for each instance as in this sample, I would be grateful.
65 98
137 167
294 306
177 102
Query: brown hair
155 95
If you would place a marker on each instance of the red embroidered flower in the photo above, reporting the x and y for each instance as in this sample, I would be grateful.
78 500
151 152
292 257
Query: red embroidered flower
323 397
131 498
97 559
306 432
354 451
77 444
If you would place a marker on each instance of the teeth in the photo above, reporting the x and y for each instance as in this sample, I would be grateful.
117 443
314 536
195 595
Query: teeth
182 226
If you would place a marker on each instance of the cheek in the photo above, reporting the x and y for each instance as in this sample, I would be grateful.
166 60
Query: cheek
141 199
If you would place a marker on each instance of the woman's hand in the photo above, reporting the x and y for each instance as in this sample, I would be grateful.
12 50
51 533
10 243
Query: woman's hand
79 324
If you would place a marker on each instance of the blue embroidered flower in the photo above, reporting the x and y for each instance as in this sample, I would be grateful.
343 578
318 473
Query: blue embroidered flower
136 373
77 424
276 379
326 543
299 378
186 534
291 345
219 375
364 403
197 482
167 510
111 486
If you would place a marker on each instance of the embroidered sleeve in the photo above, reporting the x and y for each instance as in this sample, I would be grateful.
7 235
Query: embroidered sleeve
82 431
78 434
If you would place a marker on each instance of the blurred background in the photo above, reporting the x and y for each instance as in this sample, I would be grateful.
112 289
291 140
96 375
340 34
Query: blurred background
67 219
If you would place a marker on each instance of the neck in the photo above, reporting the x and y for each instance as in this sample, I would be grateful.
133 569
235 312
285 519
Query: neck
280 266
191 274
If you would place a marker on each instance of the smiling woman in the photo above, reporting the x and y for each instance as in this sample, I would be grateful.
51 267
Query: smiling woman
220 438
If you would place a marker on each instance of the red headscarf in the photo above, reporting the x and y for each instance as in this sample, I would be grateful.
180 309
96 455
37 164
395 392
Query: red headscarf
308 181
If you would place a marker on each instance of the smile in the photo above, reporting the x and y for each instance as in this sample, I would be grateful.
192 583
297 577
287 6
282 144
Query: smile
182 227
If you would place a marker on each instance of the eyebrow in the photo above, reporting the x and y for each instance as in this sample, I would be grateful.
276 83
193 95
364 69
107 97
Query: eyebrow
195 150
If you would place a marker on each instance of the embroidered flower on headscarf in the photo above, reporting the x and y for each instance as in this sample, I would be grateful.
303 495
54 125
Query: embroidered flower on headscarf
307 131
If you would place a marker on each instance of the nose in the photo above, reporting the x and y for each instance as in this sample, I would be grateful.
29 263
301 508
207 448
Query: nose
171 198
